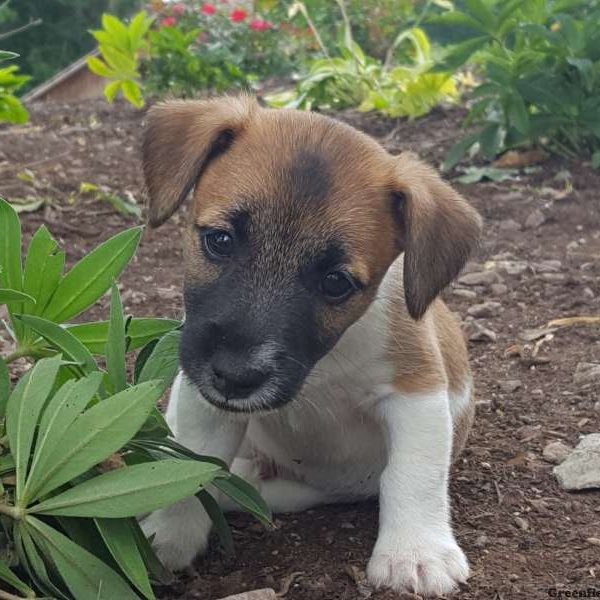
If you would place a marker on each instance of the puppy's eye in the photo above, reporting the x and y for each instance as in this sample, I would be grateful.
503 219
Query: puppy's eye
337 286
218 244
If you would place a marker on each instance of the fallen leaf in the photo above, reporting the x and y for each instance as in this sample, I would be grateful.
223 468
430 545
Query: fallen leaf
514 159
568 321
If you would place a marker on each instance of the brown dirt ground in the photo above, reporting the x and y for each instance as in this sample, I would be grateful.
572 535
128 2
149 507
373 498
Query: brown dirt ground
501 474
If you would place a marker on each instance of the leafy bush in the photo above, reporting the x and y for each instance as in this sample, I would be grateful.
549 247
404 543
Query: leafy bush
541 75
67 414
395 88
11 109
121 47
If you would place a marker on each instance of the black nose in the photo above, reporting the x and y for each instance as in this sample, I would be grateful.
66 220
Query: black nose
237 382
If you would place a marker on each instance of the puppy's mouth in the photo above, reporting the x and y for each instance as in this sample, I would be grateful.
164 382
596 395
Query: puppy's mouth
271 395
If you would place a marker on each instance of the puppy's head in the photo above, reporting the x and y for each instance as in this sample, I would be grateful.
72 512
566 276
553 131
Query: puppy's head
295 220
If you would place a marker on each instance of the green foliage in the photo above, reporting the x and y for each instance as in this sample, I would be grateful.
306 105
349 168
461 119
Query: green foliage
72 523
395 88
541 75
11 109
59 39
121 48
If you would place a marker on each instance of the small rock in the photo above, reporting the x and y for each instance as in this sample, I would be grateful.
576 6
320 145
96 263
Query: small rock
594 541
581 469
513 577
478 333
484 310
498 289
512 267
266 594
510 225
535 219
464 293
480 278
587 373
588 293
553 277
548 266
522 523
556 452
481 541
510 385
347 525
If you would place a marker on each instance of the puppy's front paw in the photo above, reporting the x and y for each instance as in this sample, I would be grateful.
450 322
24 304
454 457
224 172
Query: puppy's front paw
180 533
430 567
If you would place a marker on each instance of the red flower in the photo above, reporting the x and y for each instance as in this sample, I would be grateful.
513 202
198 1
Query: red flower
237 15
260 24
168 21
178 9
208 9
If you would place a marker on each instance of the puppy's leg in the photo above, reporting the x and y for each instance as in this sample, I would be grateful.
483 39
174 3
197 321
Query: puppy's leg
281 495
416 549
181 531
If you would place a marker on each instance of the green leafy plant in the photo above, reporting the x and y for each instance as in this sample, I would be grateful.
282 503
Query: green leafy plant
394 87
83 448
121 48
540 64
11 109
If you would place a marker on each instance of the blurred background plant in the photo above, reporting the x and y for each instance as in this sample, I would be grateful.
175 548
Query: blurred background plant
11 109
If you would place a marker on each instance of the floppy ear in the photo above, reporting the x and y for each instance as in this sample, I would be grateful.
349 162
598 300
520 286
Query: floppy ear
180 140
439 229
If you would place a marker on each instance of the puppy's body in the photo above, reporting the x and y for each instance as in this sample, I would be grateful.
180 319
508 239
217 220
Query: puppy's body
319 399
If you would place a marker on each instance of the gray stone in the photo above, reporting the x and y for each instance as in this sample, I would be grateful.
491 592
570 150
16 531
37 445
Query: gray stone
498 289
556 452
464 293
510 225
510 385
535 219
512 267
485 310
266 594
480 278
588 293
587 373
581 469
478 333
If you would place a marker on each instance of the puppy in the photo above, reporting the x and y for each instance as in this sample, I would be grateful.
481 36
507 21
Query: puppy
313 341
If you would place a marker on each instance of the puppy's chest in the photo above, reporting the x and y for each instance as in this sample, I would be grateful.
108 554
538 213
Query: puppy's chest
329 436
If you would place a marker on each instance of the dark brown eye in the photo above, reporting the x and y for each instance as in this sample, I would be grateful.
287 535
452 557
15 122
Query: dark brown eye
218 244
337 286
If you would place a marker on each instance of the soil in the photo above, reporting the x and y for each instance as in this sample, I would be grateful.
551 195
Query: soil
523 534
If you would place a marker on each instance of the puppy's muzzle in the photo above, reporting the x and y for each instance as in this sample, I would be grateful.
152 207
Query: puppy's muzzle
235 379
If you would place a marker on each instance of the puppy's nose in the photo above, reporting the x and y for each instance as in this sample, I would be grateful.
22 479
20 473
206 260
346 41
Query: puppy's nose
236 382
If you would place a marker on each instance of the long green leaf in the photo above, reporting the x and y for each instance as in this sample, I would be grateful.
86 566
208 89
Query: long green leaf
246 496
34 563
9 577
41 247
22 412
7 296
139 332
11 275
154 566
121 542
96 434
61 411
92 276
61 339
86 575
213 510
163 363
131 491
4 387
115 344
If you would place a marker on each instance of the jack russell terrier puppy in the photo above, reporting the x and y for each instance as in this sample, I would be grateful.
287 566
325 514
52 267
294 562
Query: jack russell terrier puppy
314 343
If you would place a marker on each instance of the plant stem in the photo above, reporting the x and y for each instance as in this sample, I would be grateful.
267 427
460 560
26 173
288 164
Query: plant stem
8 596
312 27
12 511
18 353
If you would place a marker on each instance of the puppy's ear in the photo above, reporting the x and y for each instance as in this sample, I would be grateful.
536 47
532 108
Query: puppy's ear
439 229
180 140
